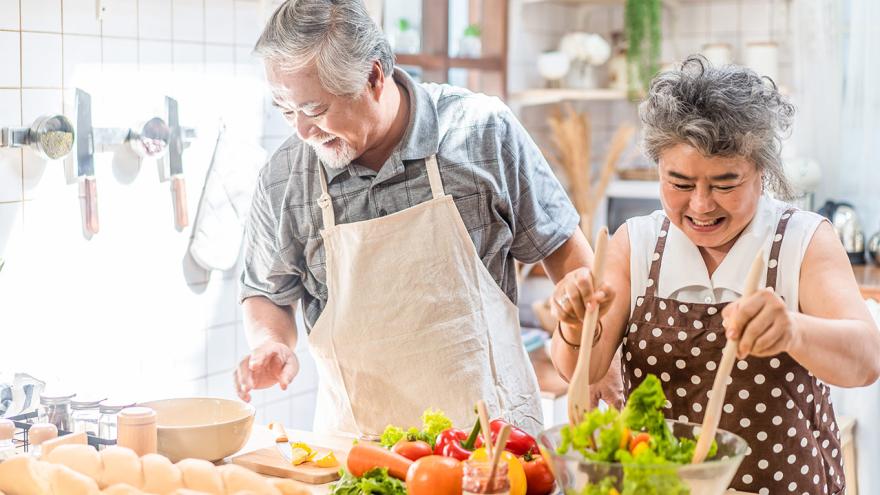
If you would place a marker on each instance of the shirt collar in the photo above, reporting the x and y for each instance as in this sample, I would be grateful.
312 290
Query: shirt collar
421 139
683 266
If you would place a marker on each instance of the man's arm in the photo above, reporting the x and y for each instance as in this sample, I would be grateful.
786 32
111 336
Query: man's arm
264 321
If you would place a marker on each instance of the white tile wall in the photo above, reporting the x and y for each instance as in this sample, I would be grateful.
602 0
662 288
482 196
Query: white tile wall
10 46
10 17
41 15
174 328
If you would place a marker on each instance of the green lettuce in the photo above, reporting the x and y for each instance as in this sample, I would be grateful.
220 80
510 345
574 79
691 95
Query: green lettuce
374 482
433 423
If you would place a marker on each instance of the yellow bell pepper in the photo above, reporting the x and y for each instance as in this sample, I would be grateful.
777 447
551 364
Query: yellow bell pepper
515 471
326 460
299 455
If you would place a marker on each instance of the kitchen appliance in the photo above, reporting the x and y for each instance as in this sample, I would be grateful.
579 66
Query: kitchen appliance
874 248
846 223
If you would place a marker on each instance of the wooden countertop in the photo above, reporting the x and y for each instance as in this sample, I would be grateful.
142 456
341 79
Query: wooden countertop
868 278
552 385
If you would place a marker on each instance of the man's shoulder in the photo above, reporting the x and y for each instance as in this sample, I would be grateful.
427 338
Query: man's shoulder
460 107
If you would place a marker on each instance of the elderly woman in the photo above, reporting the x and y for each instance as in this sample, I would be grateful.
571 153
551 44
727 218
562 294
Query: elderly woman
716 134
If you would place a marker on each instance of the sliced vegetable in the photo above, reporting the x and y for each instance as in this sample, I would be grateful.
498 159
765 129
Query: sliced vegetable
299 455
434 475
364 456
327 459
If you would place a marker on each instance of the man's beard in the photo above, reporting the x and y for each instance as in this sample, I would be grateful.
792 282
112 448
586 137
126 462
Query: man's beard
339 155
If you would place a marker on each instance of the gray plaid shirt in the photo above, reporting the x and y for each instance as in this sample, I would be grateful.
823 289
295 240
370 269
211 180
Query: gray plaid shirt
509 199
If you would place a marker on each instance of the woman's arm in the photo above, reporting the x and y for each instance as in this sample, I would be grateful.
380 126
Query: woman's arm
613 320
833 335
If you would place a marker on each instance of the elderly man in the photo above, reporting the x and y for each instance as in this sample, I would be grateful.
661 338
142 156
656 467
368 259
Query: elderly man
395 215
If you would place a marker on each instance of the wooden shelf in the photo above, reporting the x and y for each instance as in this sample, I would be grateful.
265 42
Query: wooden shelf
440 62
599 3
868 278
547 96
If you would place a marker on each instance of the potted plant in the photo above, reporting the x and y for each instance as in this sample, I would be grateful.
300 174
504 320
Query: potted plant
643 34
470 45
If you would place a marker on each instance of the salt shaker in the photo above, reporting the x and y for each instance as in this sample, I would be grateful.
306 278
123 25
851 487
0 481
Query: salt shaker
39 433
136 429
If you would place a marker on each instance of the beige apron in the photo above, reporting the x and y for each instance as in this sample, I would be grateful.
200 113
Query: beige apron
415 321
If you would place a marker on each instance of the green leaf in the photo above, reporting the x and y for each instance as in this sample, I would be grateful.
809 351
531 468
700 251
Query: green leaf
473 30
403 24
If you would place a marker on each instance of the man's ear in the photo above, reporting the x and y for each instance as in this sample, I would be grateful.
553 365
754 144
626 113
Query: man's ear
376 80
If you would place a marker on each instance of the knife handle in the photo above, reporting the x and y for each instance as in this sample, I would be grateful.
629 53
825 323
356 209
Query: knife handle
90 204
178 187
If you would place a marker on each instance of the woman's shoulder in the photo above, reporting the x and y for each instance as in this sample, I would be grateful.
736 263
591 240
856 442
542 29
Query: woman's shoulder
645 225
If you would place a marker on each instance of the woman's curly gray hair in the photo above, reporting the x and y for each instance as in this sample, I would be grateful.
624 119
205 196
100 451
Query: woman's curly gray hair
720 111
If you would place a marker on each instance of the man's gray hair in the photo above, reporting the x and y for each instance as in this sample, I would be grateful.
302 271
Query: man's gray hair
721 111
338 36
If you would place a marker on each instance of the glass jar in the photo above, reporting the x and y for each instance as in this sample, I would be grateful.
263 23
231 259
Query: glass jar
476 478
85 414
55 409
107 421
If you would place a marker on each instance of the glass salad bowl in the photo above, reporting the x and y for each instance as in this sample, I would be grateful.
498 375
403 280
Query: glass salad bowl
578 475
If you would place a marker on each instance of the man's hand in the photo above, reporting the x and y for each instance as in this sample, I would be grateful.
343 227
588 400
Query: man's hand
268 364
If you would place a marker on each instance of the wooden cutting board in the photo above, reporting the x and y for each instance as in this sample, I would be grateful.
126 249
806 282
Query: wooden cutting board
269 461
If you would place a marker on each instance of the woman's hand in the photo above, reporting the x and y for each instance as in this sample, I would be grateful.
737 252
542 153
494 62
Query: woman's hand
762 323
575 296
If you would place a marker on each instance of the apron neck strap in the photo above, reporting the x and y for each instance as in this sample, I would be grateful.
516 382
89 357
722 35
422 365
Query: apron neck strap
434 176
775 247
324 201
657 258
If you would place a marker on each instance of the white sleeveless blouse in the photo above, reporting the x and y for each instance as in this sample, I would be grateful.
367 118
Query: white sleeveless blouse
683 274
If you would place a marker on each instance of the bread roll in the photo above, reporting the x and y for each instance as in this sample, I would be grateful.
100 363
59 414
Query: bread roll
122 489
83 459
237 479
160 476
24 475
185 491
200 475
121 465
66 481
288 487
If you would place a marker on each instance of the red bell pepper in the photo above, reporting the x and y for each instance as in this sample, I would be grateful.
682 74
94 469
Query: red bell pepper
456 443
519 443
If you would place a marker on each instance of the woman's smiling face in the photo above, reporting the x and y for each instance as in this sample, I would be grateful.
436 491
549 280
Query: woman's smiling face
711 199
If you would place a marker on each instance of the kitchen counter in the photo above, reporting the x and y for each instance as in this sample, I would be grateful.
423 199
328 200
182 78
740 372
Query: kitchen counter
261 438
868 278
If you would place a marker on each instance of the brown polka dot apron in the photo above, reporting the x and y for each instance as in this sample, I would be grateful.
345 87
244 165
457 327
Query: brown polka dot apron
775 404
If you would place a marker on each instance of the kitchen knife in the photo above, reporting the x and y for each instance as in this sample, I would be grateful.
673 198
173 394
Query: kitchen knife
85 162
175 161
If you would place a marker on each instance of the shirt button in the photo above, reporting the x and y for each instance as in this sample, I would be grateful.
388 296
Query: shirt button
382 212
708 299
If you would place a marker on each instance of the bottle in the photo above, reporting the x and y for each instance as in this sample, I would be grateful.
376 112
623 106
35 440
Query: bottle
39 433
55 409
137 430
7 431
85 414
107 423
476 478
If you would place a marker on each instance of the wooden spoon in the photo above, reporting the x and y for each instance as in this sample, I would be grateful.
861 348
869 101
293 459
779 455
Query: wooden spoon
483 415
728 357
579 386
503 434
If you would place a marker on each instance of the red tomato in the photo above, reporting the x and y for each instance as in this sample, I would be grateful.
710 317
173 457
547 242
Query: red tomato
412 450
434 475
539 478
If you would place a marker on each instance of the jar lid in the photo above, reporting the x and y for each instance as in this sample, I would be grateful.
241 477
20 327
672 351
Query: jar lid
85 402
7 429
113 406
136 416
40 432
53 398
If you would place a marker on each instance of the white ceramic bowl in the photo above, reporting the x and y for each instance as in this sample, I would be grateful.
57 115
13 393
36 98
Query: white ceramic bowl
201 427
